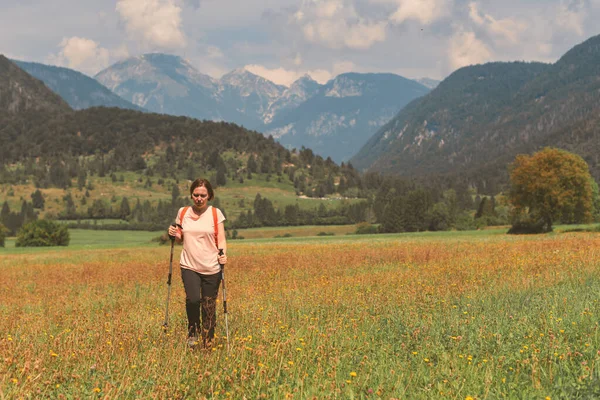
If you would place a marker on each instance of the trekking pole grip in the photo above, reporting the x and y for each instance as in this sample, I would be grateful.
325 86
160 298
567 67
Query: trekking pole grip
171 236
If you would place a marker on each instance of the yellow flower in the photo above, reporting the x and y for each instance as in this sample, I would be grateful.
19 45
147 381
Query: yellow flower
290 363
353 374
97 390
426 359
469 398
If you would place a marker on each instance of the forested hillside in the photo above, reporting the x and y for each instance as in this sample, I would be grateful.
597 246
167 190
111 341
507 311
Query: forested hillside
480 117
21 93
131 170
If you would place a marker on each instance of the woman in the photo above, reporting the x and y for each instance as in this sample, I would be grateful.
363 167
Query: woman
200 259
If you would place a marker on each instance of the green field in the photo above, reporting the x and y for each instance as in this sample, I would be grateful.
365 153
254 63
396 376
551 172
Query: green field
454 315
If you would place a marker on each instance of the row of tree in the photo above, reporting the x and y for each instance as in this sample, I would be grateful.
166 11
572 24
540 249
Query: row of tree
551 185
265 214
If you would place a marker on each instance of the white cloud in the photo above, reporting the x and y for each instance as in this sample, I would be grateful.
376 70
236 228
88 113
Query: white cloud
320 75
571 16
214 52
341 67
505 31
153 23
328 9
81 54
466 49
337 25
423 11
298 59
282 76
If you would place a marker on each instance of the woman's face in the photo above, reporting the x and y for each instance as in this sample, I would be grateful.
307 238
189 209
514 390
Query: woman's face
200 197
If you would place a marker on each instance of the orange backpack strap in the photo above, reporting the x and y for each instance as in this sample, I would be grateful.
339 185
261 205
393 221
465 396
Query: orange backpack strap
216 222
182 214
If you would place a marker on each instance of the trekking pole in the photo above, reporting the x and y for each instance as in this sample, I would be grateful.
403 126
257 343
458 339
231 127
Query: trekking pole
166 323
224 299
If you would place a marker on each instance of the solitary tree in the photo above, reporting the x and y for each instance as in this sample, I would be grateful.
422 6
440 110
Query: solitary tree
551 184
37 199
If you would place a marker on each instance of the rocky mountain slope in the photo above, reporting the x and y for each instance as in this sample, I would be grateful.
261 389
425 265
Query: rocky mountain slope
343 114
334 119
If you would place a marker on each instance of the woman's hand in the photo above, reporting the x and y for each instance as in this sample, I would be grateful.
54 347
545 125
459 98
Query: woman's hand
222 259
175 232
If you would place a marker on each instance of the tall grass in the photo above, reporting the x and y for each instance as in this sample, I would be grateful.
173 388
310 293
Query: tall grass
485 316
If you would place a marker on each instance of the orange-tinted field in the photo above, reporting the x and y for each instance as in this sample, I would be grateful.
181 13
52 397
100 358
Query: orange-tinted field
371 317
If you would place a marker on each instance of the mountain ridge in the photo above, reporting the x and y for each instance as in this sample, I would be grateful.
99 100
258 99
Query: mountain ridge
77 89
21 92
161 83
466 127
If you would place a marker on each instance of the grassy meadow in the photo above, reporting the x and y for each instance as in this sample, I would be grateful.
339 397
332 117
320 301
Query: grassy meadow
477 315
235 197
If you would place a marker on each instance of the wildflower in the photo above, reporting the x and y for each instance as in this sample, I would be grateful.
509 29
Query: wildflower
290 363
97 390
353 374
469 398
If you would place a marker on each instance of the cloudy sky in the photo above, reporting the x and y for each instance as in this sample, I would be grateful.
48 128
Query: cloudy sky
284 39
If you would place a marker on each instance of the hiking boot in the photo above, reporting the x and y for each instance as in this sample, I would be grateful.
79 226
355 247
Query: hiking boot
192 341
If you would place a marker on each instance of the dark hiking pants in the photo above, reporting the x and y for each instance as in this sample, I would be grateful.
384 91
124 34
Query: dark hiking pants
200 299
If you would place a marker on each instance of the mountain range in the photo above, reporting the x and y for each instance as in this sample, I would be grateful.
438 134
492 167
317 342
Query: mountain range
78 90
472 124
334 119
480 117
340 116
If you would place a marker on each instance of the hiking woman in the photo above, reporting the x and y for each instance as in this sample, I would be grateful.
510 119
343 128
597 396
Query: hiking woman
200 228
